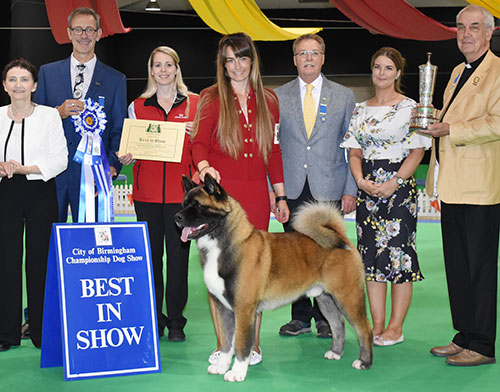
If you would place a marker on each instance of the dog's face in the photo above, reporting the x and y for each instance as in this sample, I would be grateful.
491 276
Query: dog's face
203 208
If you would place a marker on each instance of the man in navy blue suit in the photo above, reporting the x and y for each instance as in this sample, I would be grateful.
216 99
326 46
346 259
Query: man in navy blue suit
65 84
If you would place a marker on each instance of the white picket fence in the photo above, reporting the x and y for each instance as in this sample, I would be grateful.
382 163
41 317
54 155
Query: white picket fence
123 206
425 210
121 199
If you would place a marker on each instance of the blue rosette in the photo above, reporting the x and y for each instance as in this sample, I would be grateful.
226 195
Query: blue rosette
90 124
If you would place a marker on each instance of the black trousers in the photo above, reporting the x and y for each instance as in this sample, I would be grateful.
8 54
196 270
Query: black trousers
304 309
30 208
164 232
470 245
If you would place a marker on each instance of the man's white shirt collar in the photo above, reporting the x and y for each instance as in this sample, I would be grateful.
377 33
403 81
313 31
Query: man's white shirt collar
89 65
316 91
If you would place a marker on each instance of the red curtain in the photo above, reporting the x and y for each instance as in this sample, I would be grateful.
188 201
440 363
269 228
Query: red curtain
395 18
59 10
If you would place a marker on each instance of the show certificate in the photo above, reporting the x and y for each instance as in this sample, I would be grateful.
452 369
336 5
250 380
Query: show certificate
153 140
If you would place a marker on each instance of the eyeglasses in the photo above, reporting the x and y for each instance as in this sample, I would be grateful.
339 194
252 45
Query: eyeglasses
79 30
304 53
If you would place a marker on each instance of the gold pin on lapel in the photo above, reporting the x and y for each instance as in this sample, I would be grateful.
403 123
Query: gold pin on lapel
475 81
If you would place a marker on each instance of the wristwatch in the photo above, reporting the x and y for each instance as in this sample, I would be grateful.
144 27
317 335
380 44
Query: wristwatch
400 180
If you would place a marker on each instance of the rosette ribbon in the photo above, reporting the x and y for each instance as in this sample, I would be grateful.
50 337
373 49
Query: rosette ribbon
90 124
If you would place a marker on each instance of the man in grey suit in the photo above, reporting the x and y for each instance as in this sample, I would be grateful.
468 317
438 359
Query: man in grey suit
313 121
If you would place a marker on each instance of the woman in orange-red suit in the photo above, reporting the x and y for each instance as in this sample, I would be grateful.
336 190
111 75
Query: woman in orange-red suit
236 142
158 191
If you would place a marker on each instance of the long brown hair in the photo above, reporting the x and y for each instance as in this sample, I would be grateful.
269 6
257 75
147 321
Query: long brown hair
397 58
228 132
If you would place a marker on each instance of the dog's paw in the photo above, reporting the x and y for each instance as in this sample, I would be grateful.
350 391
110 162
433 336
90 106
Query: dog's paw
238 371
235 375
360 365
331 355
219 367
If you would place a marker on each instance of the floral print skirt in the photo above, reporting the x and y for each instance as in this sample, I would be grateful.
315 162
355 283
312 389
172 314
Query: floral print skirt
387 227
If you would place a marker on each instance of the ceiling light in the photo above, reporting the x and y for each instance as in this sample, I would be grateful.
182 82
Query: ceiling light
153 6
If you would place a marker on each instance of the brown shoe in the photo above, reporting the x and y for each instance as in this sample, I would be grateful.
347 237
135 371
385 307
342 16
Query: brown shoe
469 358
446 351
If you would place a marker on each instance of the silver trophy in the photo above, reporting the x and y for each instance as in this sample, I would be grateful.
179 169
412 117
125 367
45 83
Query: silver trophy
425 114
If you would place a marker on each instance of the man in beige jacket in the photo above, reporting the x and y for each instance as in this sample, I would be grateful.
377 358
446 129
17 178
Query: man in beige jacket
467 154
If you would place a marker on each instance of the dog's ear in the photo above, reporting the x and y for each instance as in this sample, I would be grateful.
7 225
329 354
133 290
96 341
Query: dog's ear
213 188
187 183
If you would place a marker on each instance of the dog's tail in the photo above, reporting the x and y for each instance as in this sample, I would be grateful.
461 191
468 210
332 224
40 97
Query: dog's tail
323 223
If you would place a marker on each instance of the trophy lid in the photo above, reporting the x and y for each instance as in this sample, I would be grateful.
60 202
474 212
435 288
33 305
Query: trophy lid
428 66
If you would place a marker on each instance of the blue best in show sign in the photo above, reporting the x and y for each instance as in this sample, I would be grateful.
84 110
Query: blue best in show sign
99 314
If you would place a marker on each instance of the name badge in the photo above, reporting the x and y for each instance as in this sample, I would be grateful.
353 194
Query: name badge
322 111
277 133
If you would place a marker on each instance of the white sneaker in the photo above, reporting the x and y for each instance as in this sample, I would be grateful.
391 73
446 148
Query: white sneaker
214 357
255 357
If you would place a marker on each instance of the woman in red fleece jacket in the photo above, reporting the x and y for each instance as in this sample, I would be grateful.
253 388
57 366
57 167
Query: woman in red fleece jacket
158 191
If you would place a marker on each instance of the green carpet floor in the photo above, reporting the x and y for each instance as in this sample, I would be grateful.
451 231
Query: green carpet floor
290 363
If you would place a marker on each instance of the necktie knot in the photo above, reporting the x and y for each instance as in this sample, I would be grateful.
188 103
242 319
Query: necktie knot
80 67
309 88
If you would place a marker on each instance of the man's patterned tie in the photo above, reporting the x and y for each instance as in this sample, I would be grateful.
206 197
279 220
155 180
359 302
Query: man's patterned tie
309 110
77 91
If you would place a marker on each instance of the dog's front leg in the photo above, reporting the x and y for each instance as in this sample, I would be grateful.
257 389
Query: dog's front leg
225 323
244 337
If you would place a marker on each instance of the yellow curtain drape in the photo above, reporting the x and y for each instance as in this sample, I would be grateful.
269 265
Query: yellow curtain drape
234 16
491 5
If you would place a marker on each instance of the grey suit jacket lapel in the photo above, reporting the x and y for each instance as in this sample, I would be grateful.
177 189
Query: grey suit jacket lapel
298 112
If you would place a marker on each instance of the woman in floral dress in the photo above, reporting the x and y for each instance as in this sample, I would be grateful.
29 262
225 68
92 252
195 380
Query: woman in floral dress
384 155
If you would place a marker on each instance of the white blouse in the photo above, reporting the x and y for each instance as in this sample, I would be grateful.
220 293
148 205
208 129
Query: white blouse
382 132
44 142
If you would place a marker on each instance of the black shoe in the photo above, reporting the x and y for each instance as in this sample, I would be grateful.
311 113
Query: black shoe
323 329
176 335
294 328
5 346
25 331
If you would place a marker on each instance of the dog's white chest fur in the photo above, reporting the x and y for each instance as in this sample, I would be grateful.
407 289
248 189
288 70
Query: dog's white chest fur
215 284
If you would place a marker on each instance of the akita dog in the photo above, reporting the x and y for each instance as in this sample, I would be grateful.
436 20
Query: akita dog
248 270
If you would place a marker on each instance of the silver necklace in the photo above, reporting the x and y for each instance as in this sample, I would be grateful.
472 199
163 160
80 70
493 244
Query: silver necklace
19 117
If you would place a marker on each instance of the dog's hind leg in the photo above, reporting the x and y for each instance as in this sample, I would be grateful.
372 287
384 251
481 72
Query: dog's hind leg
353 308
365 337
225 323
332 313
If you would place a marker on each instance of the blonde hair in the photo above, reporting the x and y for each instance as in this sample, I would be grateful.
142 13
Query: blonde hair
228 127
151 87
